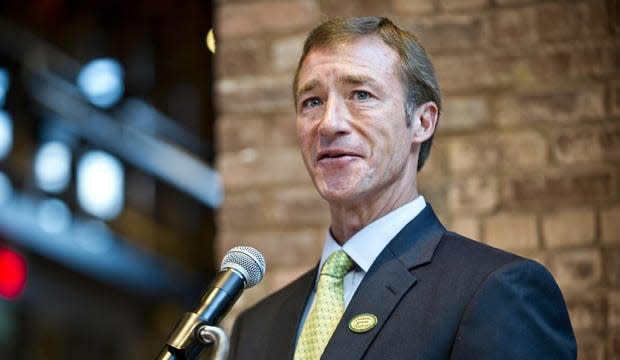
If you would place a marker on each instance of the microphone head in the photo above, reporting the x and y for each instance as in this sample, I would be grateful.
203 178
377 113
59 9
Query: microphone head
247 261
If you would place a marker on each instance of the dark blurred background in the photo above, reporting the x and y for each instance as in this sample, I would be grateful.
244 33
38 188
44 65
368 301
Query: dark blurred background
107 192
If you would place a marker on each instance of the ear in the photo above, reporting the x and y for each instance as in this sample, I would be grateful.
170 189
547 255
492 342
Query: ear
424 121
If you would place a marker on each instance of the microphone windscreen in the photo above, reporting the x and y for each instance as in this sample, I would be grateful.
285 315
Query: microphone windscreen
247 260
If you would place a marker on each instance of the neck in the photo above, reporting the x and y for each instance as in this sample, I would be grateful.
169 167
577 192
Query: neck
348 219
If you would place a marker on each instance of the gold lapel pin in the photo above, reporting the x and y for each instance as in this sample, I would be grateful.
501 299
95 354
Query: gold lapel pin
362 323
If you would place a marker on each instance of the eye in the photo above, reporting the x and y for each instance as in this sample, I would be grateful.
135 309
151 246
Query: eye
311 102
361 95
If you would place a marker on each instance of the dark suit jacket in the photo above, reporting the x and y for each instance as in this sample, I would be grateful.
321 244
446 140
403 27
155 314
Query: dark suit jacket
437 295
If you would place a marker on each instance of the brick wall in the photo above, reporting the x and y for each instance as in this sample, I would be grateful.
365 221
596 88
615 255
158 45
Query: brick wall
527 154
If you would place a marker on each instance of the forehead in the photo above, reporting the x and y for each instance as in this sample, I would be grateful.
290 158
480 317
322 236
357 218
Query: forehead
366 57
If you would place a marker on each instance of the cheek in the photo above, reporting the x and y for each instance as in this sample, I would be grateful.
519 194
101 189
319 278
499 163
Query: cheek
392 147
304 139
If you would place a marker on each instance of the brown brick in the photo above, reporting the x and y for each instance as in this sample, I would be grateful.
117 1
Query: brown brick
615 96
509 152
285 53
299 206
593 17
549 15
258 94
586 311
434 192
472 71
613 344
613 309
577 145
592 61
590 102
506 109
609 138
414 7
576 270
460 113
524 74
474 194
550 63
585 102
237 132
242 209
473 153
336 8
467 226
449 33
282 129
266 17
610 225
578 19
559 189
253 168
280 247
590 347
434 167
513 2
612 266
515 232
239 57
459 5
460 73
567 228
615 16
514 26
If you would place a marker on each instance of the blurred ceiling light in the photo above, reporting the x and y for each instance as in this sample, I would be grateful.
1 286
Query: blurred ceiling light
93 236
101 81
6 188
6 134
100 188
210 39
53 216
5 81
52 166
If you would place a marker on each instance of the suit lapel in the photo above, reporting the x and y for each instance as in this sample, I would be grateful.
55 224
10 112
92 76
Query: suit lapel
386 282
282 344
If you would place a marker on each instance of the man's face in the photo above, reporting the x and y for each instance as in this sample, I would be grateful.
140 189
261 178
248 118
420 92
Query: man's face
351 122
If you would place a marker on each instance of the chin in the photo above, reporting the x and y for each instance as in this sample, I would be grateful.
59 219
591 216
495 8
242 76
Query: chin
339 186
338 195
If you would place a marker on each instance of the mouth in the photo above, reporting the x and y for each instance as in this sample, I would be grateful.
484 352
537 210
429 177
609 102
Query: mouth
335 154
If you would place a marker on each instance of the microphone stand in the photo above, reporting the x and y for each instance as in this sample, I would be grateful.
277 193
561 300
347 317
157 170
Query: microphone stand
193 332
178 347
242 267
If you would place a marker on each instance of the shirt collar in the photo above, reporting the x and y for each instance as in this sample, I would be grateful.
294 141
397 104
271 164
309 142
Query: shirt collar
366 245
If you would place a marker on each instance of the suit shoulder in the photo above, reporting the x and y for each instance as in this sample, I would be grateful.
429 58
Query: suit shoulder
476 251
473 257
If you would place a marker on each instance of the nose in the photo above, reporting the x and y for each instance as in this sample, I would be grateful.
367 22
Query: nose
336 119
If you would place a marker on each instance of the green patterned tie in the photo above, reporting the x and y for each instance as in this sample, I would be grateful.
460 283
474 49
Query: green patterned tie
327 310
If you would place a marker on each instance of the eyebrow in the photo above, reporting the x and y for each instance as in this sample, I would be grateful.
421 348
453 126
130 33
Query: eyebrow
356 79
346 79
307 87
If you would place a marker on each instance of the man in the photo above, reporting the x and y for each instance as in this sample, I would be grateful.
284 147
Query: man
367 104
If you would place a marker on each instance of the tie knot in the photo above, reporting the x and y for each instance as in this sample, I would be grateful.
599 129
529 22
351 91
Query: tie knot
337 265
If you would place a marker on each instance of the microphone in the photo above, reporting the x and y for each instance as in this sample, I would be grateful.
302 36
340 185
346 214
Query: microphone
242 267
